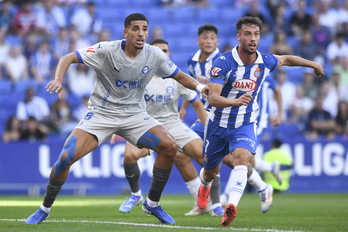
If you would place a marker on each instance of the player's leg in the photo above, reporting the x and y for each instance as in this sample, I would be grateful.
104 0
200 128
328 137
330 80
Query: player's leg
132 173
161 141
77 145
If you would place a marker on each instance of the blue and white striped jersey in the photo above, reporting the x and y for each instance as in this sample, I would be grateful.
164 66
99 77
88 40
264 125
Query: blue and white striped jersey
262 114
238 79
201 70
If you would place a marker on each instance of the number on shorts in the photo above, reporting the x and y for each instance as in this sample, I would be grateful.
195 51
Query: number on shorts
88 116
206 146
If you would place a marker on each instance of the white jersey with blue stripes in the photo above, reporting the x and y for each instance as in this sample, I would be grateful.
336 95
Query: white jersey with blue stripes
121 81
201 70
238 79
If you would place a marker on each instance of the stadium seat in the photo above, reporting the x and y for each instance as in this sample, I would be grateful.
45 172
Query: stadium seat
295 74
22 86
209 16
183 15
5 87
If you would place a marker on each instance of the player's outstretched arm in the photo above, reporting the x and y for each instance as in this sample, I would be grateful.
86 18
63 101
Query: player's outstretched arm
199 109
189 82
62 67
289 60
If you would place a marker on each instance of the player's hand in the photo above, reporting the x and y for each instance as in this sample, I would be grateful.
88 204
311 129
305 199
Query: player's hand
54 86
277 120
113 139
244 100
318 70
205 91
182 114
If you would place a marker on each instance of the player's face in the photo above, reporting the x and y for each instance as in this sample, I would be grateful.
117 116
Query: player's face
136 33
208 41
164 47
249 38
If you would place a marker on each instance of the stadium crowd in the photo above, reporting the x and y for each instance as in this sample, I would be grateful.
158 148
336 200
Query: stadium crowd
35 34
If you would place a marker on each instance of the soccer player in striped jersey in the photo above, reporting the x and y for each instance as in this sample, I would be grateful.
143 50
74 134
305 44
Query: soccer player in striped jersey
236 78
117 106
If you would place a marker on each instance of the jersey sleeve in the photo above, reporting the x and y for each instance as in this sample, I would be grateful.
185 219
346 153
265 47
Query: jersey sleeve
92 56
272 61
218 72
165 67
189 95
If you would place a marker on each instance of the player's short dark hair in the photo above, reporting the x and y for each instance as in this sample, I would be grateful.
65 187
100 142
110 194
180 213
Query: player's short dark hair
207 27
276 143
159 41
133 17
248 20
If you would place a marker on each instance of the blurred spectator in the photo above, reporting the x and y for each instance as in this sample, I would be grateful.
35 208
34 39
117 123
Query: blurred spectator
6 16
80 79
279 22
42 62
320 122
340 89
157 33
33 131
12 131
16 65
342 69
300 21
307 48
30 44
104 35
34 106
280 45
321 34
78 41
61 43
4 50
177 3
50 18
91 23
330 98
341 118
328 17
25 19
254 11
310 84
227 47
337 49
300 106
288 91
80 112
62 114
286 163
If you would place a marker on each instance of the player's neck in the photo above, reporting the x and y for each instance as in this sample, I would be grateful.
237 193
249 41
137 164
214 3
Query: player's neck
204 56
131 51
246 58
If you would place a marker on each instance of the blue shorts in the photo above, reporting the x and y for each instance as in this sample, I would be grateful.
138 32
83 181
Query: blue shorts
220 141
198 128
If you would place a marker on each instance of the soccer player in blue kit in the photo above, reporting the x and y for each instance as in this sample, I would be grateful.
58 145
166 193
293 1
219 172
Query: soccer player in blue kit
236 78
117 106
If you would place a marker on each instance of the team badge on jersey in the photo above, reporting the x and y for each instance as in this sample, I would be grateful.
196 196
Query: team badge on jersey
170 89
245 85
90 50
205 158
145 69
215 71
257 73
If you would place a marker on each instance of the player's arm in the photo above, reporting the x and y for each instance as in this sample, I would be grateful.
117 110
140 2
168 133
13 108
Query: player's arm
63 65
199 109
190 83
182 111
278 98
290 60
218 101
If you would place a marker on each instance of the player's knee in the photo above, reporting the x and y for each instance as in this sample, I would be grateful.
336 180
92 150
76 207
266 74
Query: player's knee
181 159
168 146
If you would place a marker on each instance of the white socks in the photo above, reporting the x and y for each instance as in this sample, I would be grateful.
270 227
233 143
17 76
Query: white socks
256 181
47 210
152 204
204 183
193 186
138 194
238 180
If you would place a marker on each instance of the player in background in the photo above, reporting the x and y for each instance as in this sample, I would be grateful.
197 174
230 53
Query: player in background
262 119
117 106
236 78
199 65
161 96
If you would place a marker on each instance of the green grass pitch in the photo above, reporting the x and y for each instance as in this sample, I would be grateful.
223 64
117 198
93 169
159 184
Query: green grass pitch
290 212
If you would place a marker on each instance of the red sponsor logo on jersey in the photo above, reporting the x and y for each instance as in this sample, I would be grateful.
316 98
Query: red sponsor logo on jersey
245 85
215 71
90 50
203 79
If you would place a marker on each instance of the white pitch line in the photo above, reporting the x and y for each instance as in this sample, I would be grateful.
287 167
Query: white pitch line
161 226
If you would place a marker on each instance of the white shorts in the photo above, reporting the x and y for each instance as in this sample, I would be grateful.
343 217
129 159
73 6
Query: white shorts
130 128
182 134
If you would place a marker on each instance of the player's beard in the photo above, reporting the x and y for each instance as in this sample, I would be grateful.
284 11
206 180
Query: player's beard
246 50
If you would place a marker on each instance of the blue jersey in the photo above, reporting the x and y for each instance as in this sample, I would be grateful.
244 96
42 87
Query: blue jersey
262 114
238 79
201 70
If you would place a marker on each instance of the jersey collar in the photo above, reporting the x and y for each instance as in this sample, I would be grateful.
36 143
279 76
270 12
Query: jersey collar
236 57
198 54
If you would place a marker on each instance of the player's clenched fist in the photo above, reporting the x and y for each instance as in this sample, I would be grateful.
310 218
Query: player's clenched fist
243 100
